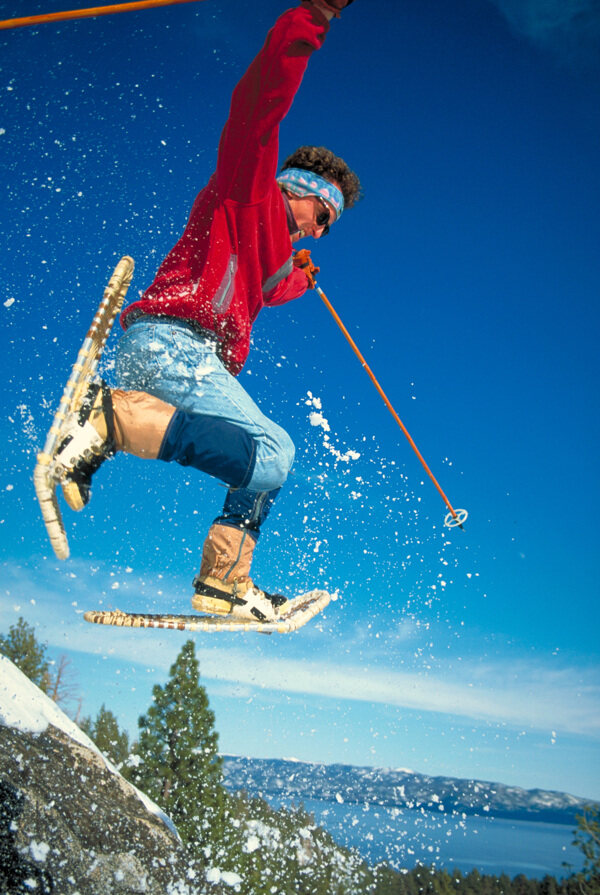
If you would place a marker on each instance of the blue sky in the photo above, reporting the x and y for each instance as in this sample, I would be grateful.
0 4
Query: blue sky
469 278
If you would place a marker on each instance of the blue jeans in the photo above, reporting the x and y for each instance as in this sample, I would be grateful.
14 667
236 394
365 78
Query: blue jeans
217 427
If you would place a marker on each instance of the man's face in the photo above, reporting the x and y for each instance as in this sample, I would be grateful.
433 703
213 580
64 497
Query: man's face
313 216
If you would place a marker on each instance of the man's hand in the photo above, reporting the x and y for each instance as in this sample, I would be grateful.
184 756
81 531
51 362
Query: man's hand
330 8
303 260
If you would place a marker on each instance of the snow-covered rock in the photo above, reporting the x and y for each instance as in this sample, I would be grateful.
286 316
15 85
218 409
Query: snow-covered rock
69 823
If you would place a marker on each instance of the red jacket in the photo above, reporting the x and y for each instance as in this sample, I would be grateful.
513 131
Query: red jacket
235 254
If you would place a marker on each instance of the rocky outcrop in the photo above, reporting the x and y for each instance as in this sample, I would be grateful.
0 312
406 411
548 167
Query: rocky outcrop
71 825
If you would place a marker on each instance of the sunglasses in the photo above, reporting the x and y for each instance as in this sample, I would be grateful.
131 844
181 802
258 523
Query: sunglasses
323 217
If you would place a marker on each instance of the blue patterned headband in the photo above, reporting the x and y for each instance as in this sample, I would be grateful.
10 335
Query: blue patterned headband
307 183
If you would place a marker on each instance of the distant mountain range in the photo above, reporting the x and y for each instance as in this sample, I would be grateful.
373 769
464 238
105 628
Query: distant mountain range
299 781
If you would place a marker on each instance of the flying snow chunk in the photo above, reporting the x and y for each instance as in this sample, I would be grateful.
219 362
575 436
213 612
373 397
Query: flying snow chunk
9 302
39 851
251 844
317 419
214 875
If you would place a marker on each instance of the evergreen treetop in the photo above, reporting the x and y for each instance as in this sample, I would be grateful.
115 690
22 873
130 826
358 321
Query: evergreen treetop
20 645
106 734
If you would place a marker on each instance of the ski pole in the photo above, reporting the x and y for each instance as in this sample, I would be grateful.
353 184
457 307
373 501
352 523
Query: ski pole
86 13
454 517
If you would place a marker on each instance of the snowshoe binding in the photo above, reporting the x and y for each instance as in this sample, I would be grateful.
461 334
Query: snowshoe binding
89 441
239 598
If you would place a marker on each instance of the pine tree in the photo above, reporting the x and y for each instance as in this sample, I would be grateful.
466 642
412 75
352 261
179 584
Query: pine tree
548 886
587 838
524 886
22 648
176 760
105 733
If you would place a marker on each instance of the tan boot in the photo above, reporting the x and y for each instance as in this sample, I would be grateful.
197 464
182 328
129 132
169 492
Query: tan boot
223 585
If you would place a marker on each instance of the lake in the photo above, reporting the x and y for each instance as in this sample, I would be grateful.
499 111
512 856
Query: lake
405 838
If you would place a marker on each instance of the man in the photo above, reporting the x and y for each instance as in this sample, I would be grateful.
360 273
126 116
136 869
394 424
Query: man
188 336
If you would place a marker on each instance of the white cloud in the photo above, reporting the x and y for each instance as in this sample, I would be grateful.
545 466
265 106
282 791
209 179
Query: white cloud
522 694
536 694
533 696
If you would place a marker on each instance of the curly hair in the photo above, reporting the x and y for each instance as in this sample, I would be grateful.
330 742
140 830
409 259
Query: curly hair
322 161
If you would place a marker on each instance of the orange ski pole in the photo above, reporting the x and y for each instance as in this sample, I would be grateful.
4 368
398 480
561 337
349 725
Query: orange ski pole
454 517
86 13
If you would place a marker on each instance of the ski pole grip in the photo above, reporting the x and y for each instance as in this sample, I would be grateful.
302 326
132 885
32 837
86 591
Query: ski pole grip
303 260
